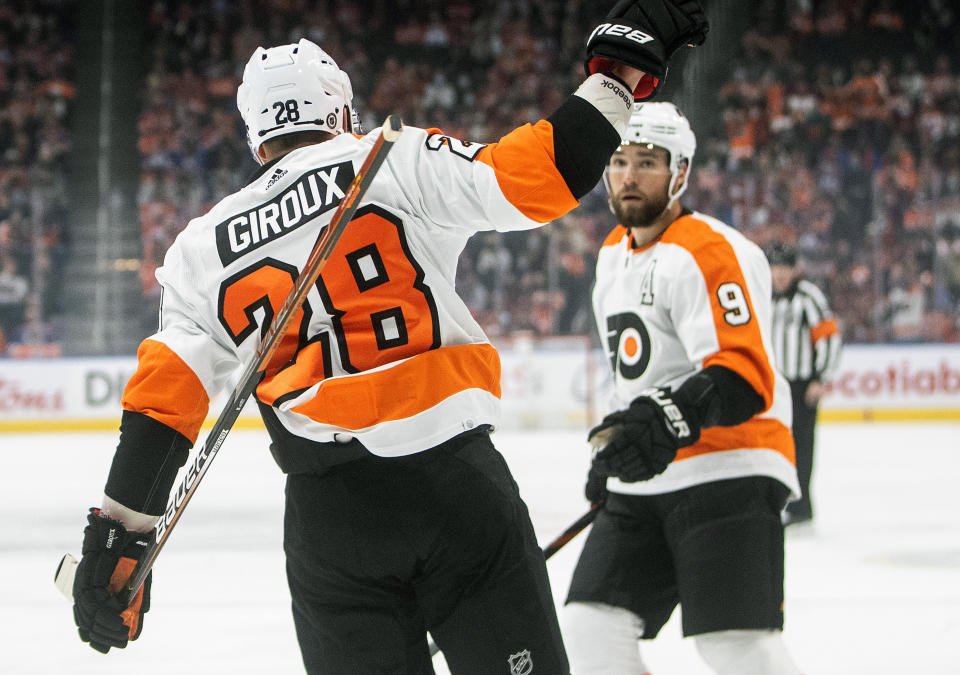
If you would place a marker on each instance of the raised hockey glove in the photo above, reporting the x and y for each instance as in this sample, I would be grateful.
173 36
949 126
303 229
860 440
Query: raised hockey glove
639 443
644 34
109 555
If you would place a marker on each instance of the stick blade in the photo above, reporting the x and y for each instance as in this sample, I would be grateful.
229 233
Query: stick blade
63 577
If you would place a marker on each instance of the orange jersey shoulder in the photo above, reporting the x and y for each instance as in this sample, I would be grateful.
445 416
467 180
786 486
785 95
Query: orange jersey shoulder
734 314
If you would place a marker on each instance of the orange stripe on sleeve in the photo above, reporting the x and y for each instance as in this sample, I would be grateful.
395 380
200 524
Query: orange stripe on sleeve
759 432
524 165
165 389
740 344
408 388
825 328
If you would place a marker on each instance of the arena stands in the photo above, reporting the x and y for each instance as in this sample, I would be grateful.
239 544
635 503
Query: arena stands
836 127
842 129
36 90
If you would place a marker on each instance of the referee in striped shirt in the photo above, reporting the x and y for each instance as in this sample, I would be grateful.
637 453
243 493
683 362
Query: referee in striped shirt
806 344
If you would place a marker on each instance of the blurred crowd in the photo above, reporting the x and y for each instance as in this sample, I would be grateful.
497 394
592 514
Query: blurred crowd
443 65
36 90
837 129
842 136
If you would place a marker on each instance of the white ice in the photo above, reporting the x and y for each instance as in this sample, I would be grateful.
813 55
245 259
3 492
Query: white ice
873 587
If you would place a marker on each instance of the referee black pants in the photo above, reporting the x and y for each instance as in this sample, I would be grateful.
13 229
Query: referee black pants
804 424
381 550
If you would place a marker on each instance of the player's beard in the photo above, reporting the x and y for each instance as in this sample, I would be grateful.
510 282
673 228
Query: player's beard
639 213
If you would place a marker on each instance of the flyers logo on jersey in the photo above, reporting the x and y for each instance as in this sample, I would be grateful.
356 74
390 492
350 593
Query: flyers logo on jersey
628 345
310 195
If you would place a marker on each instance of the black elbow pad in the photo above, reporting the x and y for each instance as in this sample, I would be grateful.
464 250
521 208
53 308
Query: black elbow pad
721 397
583 140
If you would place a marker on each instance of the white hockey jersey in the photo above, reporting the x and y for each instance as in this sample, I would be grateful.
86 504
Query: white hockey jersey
383 350
697 296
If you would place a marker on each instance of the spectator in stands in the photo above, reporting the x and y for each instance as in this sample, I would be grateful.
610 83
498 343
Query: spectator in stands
948 253
830 111
36 90
13 296
906 305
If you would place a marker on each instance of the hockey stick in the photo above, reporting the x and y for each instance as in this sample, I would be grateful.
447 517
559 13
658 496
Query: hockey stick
575 528
578 526
391 130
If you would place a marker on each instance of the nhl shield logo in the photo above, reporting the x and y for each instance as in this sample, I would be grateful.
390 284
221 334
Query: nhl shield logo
521 663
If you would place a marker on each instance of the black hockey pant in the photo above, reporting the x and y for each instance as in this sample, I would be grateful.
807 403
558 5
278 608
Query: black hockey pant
381 550
804 426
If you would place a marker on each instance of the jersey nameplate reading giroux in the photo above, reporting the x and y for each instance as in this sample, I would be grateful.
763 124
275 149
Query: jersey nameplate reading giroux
310 195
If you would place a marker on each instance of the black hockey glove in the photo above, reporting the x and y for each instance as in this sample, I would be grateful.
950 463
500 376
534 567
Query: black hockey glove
640 442
596 488
109 555
644 34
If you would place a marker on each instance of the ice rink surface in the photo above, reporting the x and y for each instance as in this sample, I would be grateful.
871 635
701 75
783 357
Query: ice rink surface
873 587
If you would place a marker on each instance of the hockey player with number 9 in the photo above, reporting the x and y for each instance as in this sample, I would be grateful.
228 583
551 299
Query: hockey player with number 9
401 517
695 462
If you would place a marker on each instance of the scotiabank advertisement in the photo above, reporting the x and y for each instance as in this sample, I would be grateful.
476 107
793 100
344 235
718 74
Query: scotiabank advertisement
565 388
883 377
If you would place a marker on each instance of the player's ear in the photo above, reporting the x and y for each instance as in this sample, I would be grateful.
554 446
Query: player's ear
682 173
262 153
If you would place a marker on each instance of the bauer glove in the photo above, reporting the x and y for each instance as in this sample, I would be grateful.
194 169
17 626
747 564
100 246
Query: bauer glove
596 488
640 442
109 555
644 34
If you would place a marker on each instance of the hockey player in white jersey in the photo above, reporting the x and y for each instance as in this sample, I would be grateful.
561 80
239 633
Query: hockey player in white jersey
401 517
695 462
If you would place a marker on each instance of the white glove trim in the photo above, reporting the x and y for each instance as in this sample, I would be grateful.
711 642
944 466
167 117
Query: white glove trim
610 96
133 521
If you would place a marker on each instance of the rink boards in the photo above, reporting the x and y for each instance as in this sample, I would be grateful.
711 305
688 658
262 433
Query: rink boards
563 388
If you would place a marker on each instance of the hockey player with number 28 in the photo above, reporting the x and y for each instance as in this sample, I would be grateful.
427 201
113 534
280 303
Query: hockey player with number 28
696 462
401 517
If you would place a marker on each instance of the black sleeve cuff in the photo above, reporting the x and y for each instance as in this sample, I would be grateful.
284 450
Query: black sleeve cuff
145 464
720 397
583 140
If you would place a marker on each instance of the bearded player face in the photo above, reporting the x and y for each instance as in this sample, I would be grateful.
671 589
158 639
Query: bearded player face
639 177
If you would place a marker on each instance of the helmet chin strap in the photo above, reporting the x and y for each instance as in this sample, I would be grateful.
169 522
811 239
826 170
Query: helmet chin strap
673 186
606 184
676 179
